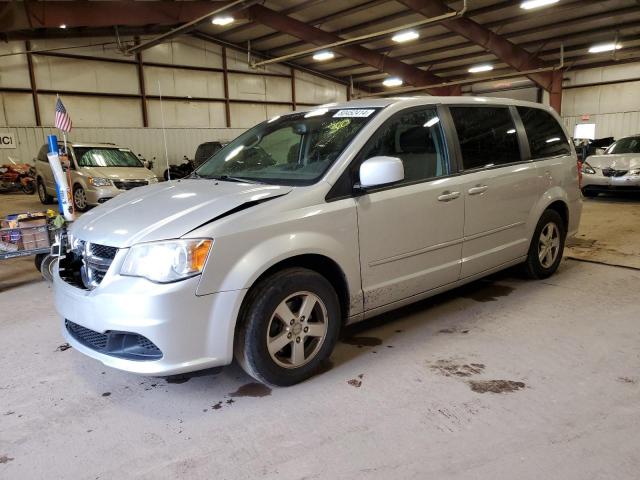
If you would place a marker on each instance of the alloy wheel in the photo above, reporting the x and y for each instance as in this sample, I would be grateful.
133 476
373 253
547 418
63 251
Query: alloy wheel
548 245
80 199
297 330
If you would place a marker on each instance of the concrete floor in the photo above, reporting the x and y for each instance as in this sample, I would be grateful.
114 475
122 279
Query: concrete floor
408 395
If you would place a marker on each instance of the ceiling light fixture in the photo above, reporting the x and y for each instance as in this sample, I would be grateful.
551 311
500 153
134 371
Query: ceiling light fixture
324 55
392 82
605 47
405 36
222 20
531 4
63 26
481 68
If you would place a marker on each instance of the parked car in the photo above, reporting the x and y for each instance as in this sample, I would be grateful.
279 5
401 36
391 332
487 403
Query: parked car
617 170
314 220
99 172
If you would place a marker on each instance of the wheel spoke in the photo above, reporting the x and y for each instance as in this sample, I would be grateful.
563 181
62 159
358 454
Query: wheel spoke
306 309
316 329
297 353
542 254
548 259
284 313
278 343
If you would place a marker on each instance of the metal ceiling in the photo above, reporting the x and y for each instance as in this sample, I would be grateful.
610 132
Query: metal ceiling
498 32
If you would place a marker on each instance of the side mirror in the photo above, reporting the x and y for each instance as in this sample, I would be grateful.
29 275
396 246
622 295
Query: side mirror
377 171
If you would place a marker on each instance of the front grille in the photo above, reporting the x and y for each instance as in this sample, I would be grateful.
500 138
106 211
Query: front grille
610 172
103 251
87 337
96 260
127 345
129 184
87 265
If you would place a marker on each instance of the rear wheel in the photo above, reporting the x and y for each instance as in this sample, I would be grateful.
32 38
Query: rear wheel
547 245
29 187
289 324
45 198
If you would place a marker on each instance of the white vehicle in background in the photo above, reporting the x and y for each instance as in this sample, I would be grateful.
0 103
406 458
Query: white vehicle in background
617 170
99 172
313 220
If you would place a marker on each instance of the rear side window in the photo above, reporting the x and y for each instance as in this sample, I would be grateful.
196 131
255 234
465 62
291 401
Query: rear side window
487 136
546 137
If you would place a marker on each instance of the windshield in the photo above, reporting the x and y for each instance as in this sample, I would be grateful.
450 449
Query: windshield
295 149
625 145
106 157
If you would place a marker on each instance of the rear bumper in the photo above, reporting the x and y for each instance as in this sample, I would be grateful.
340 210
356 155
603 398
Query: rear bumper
192 332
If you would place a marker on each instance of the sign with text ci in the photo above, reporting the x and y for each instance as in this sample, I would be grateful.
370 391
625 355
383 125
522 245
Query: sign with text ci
8 140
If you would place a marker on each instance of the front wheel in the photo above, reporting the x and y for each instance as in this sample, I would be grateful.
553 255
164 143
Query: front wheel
547 245
79 199
289 324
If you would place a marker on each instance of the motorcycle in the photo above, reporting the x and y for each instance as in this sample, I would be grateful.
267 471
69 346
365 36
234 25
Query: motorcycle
17 177
180 171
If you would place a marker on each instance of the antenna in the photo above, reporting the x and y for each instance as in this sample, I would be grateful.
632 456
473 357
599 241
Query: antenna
164 134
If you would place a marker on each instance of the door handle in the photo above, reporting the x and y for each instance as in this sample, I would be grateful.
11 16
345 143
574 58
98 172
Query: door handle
478 189
447 196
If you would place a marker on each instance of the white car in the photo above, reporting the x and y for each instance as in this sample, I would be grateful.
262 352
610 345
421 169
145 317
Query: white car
617 170
313 220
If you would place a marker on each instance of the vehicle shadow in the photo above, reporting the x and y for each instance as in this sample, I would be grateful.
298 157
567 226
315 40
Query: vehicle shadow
378 332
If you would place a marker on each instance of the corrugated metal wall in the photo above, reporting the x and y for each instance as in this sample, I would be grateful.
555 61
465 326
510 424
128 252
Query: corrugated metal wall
610 98
196 113
146 141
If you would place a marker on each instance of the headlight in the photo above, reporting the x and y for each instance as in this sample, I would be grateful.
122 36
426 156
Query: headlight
167 261
99 182
634 172
588 169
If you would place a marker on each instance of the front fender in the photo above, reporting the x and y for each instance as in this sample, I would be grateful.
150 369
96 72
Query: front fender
239 259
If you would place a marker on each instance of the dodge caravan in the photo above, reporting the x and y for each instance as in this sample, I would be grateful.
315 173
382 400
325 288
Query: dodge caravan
99 172
313 220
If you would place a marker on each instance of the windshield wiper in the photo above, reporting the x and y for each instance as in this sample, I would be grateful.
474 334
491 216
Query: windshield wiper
227 178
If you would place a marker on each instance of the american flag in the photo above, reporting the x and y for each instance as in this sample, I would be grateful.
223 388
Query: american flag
63 120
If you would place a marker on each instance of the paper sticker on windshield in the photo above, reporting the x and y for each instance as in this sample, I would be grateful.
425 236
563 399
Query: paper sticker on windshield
352 113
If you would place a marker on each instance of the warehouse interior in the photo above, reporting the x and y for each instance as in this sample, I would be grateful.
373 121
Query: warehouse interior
501 377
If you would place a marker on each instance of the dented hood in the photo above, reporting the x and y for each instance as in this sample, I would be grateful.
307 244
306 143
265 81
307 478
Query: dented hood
621 161
166 210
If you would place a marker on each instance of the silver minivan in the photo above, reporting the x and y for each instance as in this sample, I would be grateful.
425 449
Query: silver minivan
313 220
99 172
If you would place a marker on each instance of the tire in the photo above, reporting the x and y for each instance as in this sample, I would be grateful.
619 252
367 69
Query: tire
283 294
29 187
39 258
589 193
45 198
550 226
79 199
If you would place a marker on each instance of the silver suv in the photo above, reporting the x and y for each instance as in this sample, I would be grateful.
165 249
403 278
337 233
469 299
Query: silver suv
313 220
99 172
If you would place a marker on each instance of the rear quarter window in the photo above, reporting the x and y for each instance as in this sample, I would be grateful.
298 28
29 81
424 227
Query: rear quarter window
545 135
